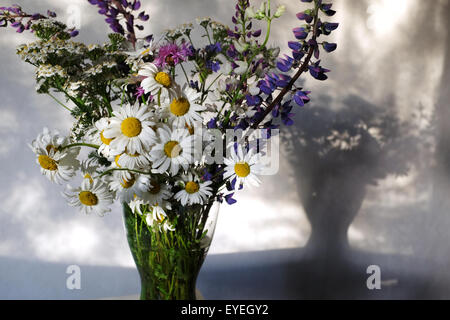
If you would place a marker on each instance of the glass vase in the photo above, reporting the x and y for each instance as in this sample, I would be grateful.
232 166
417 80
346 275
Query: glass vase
169 261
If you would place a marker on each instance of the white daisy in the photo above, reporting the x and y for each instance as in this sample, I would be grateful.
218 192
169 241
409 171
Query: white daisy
97 137
242 167
157 82
157 211
194 191
131 161
125 188
184 108
174 149
131 130
92 197
153 191
56 163
158 217
136 205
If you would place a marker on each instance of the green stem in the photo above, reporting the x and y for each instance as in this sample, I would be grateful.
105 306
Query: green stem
59 102
123 169
81 144
185 74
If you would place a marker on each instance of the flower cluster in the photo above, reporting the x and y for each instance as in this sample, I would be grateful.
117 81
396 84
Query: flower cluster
21 21
123 18
158 116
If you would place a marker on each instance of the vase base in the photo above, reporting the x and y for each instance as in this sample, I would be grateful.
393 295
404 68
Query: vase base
198 296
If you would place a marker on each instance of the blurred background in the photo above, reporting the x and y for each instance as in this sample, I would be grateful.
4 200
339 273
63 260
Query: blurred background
364 176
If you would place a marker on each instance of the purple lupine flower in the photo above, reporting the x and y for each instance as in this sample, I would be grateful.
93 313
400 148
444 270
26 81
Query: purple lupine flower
301 97
280 80
214 66
51 14
305 16
318 72
300 33
328 26
329 47
256 33
149 38
326 8
214 48
266 86
285 64
143 17
212 124
207 176
276 111
286 115
194 85
242 125
253 100
136 5
295 45
229 199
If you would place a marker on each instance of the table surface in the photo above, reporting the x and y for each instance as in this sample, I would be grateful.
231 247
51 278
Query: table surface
277 274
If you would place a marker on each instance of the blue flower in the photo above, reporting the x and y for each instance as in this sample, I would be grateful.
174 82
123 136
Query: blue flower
229 198
305 16
212 124
214 48
301 97
253 100
300 33
214 66
207 176
318 72
329 47
285 64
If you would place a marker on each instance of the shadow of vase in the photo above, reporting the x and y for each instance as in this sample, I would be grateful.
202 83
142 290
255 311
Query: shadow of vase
335 155
331 216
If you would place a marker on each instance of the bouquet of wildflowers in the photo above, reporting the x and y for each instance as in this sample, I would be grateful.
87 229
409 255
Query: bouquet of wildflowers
168 126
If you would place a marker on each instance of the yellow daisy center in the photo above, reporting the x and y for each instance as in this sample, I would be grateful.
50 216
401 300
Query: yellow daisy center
155 187
88 198
88 176
51 147
131 127
127 184
242 169
172 149
145 51
105 140
180 107
192 187
116 160
164 79
47 163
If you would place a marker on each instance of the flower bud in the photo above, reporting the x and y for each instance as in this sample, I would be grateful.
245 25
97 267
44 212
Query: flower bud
249 12
280 11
